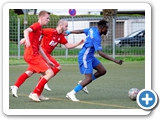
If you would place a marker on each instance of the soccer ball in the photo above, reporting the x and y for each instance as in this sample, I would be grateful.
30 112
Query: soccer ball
132 93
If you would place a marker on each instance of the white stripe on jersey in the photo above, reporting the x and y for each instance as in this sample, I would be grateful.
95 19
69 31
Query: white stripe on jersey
91 33
85 56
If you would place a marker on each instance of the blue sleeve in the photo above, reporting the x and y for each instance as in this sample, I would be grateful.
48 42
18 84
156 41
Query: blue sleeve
97 42
86 31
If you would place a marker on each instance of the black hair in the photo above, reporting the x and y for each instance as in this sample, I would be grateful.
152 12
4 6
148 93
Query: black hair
102 23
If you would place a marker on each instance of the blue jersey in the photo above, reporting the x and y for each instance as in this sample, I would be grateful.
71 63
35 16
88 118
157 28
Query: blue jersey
92 43
86 58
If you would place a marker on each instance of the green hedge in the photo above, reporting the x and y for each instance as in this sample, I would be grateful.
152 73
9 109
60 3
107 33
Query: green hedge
13 24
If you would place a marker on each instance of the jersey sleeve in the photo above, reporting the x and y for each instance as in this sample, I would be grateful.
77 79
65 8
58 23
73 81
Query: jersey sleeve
63 40
86 31
35 26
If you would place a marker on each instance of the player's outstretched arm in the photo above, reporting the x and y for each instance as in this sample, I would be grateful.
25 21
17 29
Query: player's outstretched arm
74 32
69 46
102 54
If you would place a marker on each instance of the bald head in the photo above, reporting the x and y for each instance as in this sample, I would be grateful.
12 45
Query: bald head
61 22
62 25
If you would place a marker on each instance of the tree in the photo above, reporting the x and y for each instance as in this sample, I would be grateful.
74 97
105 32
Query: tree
35 11
12 12
108 15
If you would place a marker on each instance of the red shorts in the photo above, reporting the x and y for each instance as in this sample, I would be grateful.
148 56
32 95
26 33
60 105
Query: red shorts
50 58
36 63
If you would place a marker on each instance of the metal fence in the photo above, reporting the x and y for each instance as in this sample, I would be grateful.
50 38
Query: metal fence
114 43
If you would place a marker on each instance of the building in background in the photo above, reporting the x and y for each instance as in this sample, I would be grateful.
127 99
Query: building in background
124 24
90 11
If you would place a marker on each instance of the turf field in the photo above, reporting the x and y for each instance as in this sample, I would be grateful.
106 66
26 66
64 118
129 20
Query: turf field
107 92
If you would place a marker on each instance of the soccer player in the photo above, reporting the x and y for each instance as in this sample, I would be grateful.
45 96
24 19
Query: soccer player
86 59
33 54
51 38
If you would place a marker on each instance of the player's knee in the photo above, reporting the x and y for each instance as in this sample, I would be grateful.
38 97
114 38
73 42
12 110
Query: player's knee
29 73
58 68
103 72
50 72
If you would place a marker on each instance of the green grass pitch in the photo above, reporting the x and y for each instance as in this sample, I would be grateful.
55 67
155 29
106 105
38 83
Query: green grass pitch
107 92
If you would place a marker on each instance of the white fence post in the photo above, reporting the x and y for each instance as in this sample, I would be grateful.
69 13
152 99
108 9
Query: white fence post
66 53
18 38
114 27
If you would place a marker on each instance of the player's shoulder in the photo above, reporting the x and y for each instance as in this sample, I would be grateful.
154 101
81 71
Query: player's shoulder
94 29
35 24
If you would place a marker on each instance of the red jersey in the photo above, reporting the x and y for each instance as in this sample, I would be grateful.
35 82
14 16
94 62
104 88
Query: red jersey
51 38
35 39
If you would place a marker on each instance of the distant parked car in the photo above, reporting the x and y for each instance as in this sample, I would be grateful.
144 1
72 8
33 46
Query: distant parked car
136 38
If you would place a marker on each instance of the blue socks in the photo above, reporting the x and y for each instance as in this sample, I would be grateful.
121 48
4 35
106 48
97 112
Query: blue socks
93 77
78 88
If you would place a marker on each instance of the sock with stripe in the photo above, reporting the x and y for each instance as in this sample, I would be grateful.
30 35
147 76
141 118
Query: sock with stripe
39 87
21 79
55 70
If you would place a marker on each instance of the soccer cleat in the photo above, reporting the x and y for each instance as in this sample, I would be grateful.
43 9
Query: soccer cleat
11 87
14 90
85 88
41 97
46 87
30 95
34 97
71 97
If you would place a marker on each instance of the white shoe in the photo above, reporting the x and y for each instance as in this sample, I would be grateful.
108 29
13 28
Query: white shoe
85 88
30 95
46 87
34 97
72 97
41 97
14 90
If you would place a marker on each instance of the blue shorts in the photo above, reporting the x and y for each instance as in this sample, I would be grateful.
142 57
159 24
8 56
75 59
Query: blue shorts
87 66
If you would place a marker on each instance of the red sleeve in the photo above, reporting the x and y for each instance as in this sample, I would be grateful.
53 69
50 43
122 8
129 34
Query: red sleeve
35 26
63 40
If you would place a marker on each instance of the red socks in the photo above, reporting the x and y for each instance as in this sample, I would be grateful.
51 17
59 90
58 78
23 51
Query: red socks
39 87
21 79
55 70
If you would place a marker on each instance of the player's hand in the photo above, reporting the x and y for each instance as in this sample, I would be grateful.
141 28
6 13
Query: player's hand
81 42
22 41
51 64
27 43
119 62
67 32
